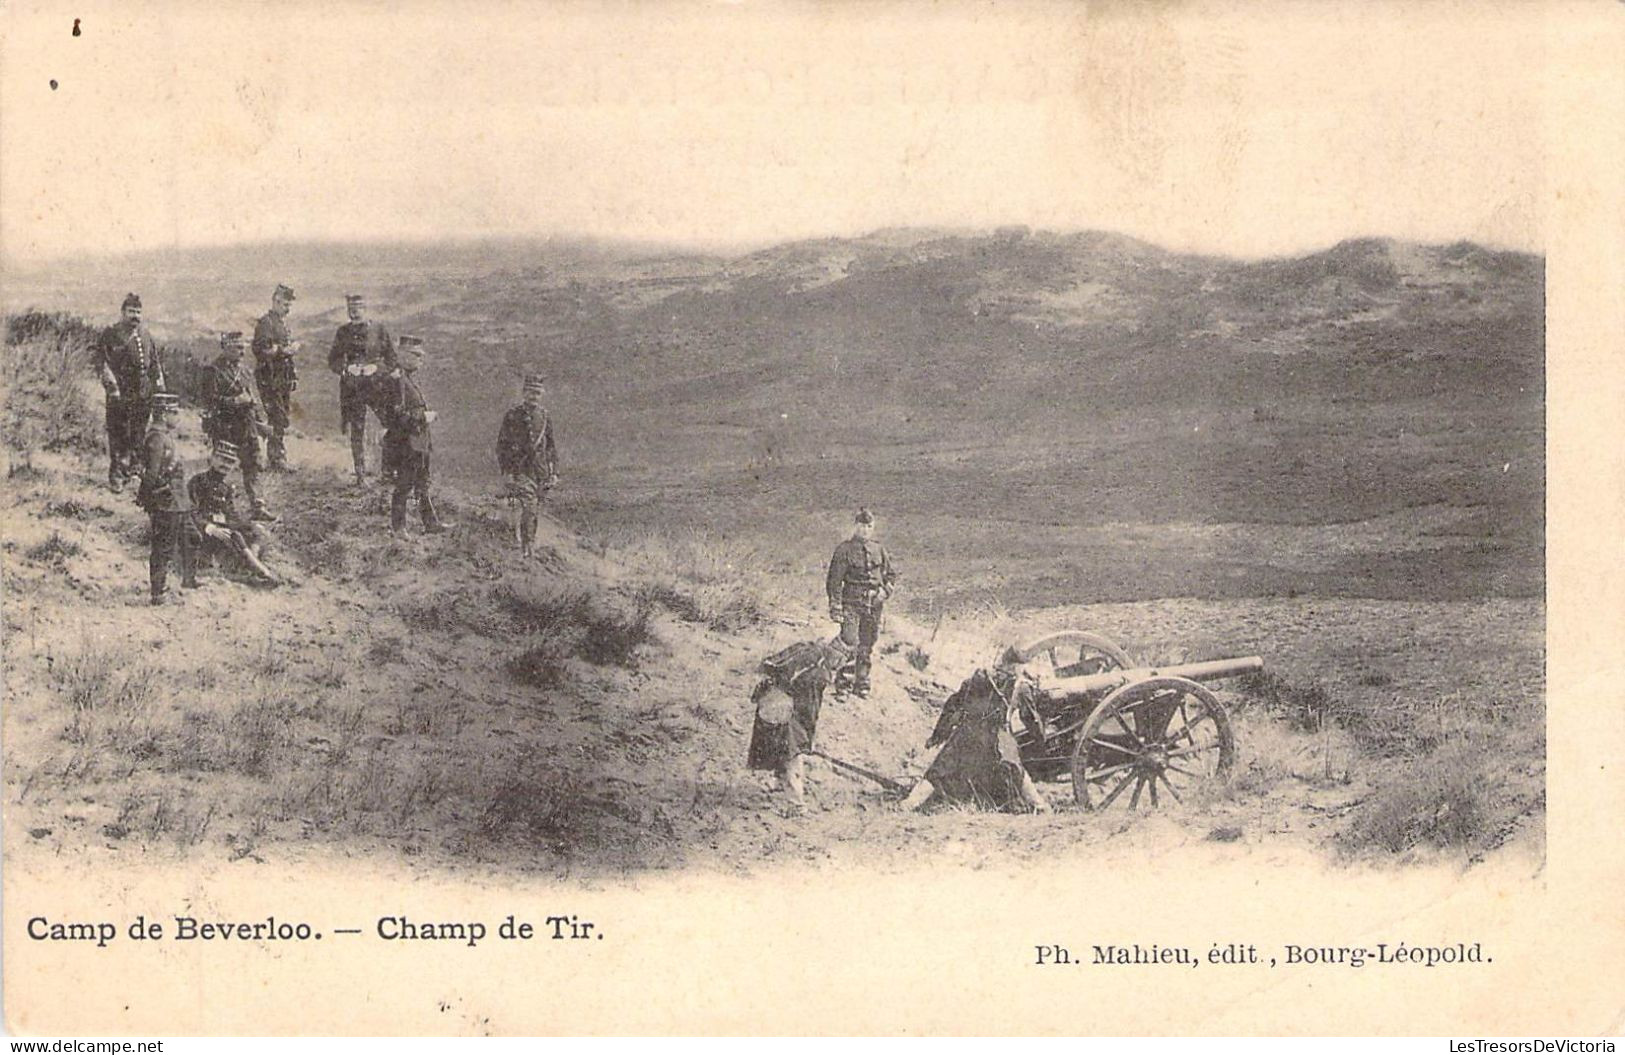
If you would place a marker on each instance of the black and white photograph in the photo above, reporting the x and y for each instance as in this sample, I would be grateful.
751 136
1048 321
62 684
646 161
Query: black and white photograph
811 518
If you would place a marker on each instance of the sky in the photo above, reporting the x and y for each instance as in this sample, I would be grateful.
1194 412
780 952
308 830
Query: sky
1246 129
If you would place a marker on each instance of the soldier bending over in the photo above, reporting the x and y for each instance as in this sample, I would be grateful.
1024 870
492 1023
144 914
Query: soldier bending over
788 699
980 762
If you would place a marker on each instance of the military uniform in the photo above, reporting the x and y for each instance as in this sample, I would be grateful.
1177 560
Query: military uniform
233 415
528 458
788 699
163 495
130 371
859 581
217 526
407 446
363 355
277 376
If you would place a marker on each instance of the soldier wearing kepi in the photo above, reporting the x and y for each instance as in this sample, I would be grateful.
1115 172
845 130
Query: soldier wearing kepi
220 529
528 458
361 352
163 495
408 442
276 374
131 374
859 582
233 413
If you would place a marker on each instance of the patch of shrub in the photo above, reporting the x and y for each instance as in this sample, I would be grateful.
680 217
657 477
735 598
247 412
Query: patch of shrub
49 392
1445 800
70 509
552 805
917 657
111 694
533 610
1304 705
541 665
54 551
612 638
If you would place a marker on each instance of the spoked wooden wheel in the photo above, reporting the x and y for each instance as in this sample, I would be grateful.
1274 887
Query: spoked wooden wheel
1075 652
1151 742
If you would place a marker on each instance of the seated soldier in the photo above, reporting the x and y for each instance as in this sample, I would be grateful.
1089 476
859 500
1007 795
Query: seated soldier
788 699
220 530
980 762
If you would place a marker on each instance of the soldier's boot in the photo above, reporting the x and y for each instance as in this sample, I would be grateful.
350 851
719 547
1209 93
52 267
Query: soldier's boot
397 513
793 782
358 453
276 452
1032 796
917 796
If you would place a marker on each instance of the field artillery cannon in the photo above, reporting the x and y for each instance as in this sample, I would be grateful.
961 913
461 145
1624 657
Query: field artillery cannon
1113 728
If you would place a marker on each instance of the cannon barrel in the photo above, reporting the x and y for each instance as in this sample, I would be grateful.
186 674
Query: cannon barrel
1106 681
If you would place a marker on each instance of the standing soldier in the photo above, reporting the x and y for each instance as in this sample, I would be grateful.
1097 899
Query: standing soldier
407 444
276 374
131 373
233 414
163 496
859 582
361 351
527 457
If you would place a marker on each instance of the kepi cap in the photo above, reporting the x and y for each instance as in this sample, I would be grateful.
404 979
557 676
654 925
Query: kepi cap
864 517
166 401
225 452
355 298
232 339
407 340
131 301
283 291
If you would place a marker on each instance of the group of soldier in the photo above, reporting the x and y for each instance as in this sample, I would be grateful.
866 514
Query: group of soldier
377 379
246 416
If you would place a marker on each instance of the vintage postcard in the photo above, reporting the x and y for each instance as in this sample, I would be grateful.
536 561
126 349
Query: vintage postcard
795 518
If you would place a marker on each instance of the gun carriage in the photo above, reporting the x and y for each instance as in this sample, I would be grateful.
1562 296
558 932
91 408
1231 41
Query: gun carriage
1121 734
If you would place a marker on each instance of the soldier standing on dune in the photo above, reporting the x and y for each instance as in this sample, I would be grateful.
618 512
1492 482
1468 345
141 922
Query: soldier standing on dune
131 374
859 582
163 495
233 413
527 457
276 374
407 444
361 352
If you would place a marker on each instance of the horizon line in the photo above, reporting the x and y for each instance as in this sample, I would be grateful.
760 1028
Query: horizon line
726 249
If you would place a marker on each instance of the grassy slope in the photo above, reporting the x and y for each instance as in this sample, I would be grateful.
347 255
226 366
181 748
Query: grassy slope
1065 420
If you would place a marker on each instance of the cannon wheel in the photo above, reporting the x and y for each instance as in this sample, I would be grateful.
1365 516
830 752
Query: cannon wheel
1094 653
1149 739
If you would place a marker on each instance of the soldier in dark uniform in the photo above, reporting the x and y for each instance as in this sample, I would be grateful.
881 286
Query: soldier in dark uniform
788 698
528 458
980 761
131 373
860 580
276 374
361 352
407 443
220 530
232 413
163 495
